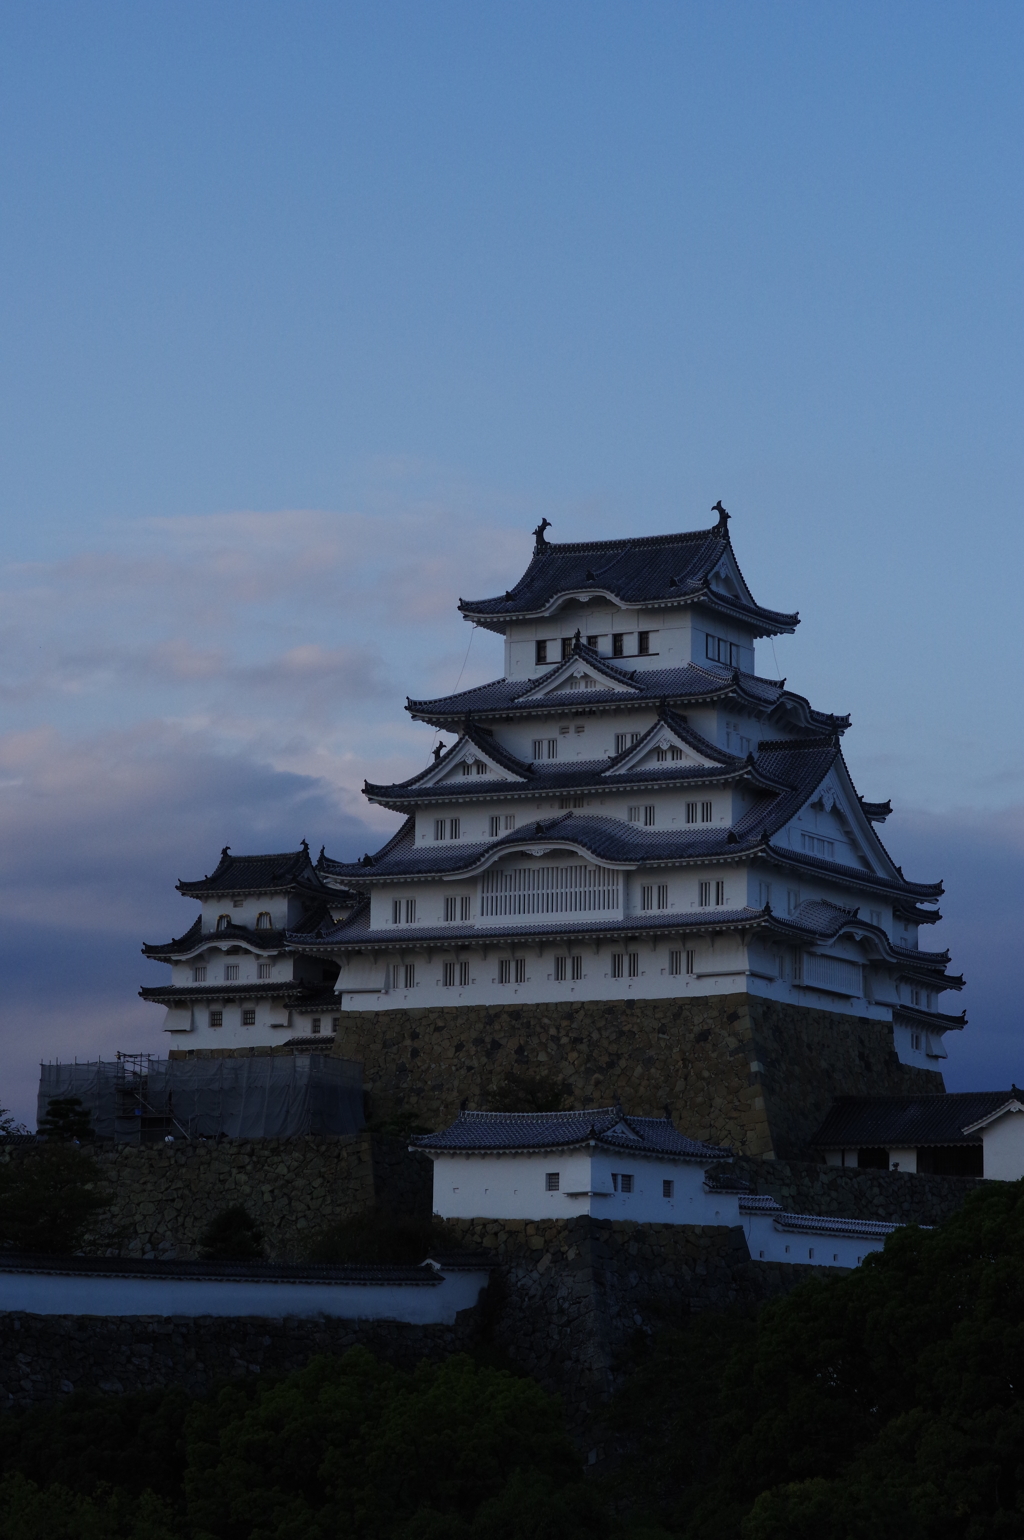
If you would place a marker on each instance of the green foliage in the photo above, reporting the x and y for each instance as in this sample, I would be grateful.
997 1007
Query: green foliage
522 1092
884 1402
9 1124
28 1512
66 1119
377 1236
353 1447
232 1236
49 1198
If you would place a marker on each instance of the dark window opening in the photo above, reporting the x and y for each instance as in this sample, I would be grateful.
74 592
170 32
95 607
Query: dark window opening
541 654
618 644
952 1160
873 1160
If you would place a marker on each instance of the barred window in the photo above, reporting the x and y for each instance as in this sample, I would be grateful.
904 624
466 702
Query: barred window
691 812
463 973
667 1188
647 896
566 647
335 1023
719 894
621 742
691 962
481 767
510 821
454 828
706 812
410 975
618 644
577 967
465 907
439 828
675 963
520 970
540 654
248 1017
643 643
495 825
626 1181
199 973
230 972
314 1026
705 894
649 817
675 753
560 969
216 1018
264 970
551 1181
548 890
634 965
634 815
410 911
450 908
263 921
448 975
505 970
616 965
662 895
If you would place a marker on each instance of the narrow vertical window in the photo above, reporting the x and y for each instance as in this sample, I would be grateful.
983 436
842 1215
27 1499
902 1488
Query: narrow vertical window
396 975
410 975
448 975
520 970
618 644
510 821
505 971
481 767
335 1023
449 908
647 896
577 967
454 828
719 894
264 970
560 970
691 962
552 748
439 828
465 907
634 815
649 817
662 895
691 812
231 971
667 1189
644 643
199 973
314 1026
396 911
634 965
495 825
410 911
706 812
463 973
635 737
566 647
661 755
538 748
616 965
675 963
540 652
705 895
621 742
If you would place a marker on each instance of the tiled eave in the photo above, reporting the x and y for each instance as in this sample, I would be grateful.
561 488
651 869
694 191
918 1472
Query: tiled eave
400 800
234 938
172 994
623 1147
932 1021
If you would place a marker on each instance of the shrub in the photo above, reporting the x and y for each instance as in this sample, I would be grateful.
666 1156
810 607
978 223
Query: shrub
66 1119
48 1199
232 1236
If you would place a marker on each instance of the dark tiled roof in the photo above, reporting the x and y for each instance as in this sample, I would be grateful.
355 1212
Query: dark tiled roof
290 990
905 1122
817 1224
656 569
607 1126
257 874
693 684
265 1272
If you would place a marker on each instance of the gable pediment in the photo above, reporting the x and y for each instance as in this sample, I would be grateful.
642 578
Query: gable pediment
661 750
577 674
462 762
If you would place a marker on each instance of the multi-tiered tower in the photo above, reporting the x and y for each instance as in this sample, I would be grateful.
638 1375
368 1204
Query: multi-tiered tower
632 817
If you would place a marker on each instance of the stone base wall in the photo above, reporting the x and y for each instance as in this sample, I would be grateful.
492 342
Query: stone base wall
43 1358
756 1075
902 1197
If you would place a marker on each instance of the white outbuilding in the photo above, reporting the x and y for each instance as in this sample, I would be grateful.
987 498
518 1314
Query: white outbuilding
1001 1132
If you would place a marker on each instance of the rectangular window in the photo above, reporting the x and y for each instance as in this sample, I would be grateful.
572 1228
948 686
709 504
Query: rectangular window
551 1181
467 768
635 737
706 812
454 828
647 896
661 755
463 973
230 971
396 975
634 814
505 971
439 828
875 916
248 1017
566 647
592 642
577 967
410 975
538 748
691 812
649 816
662 895
573 889
481 767
449 908
465 907
691 962
510 821
705 895
495 825
314 1026
818 847
264 970
396 911
675 753
644 643
618 644
335 1023
621 742
410 911
199 973
721 651
448 975
667 1189
560 963
520 970
625 1181
719 894
216 1018
616 965
675 963
552 748
540 652
634 965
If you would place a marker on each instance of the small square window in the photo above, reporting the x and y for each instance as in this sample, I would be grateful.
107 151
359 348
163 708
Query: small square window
667 1189
230 972
626 1181
551 1179
248 1017
264 970
216 1018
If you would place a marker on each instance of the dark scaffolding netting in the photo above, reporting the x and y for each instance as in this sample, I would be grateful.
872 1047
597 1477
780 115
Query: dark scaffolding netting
269 1097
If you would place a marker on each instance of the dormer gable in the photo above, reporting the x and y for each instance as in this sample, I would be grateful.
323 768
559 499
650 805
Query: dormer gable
671 741
582 672
726 578
468 757
831 826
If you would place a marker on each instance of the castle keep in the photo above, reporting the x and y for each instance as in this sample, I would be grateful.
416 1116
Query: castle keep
636 863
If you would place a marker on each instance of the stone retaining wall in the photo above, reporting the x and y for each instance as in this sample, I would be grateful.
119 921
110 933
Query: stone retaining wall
756 1075
43 1358
805 1187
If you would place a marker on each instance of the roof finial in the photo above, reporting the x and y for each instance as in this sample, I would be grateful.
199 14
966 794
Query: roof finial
538 535
305 846
577 640
224 852
438 751
320 857
723 516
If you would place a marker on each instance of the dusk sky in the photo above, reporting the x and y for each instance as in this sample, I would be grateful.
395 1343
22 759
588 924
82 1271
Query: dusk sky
310 312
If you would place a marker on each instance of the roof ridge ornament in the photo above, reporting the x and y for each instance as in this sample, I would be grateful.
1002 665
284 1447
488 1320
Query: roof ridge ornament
723 516
539 543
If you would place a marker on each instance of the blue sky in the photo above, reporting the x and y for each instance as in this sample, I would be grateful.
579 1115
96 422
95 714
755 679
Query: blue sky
309 312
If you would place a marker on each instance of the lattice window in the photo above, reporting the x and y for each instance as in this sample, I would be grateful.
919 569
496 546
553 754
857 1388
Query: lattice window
548 890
